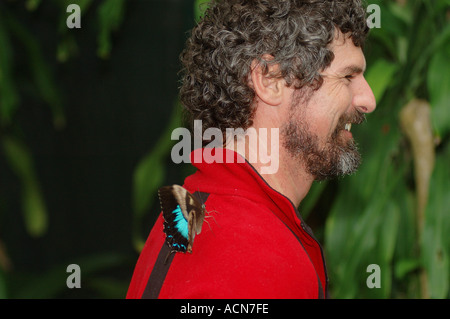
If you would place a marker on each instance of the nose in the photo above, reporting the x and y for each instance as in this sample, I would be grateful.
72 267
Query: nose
363 98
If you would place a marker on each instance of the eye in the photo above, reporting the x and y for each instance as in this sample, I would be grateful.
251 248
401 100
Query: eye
349 77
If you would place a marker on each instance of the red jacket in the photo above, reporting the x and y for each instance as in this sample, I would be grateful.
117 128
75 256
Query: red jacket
255 245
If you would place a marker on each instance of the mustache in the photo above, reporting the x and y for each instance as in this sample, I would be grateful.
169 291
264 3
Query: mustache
356 117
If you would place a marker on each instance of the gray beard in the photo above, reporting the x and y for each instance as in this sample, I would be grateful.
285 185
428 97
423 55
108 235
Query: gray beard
337 158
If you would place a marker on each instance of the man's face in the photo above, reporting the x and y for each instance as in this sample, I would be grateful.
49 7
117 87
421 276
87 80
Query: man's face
318 128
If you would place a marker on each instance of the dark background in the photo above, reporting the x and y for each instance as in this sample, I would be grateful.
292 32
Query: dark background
115 109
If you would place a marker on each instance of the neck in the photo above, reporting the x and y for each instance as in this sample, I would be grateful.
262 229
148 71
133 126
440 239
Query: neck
290 179
279 169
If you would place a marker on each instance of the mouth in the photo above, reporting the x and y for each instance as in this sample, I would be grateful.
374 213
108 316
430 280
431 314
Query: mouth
343 128
346 122
348 127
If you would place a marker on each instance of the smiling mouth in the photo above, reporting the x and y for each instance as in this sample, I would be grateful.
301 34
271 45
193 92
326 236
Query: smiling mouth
348 127
346 122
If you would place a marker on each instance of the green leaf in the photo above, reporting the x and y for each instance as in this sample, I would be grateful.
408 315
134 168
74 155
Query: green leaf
148 177
67 46
437 263
401 12
438 85
379 76
33 206
435 242
32 5
9 98
43 78
110 15
200 8
405 266
389 231
34 209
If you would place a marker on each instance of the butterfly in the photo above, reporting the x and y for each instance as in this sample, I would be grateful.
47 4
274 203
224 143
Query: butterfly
183 217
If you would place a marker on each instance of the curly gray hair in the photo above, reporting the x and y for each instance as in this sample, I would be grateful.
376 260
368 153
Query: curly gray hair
233 33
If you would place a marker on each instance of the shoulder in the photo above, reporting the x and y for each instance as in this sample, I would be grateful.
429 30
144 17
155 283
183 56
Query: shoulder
243 251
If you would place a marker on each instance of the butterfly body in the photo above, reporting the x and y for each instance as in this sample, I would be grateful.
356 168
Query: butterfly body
183 217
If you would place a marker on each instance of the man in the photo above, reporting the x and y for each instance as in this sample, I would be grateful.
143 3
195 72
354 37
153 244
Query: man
295 66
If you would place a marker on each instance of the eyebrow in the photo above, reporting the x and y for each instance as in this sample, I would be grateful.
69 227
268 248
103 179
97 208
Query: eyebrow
351 69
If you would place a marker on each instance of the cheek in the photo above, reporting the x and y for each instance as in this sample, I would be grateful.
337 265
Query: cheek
343 96
322 124
341 104
336 106
325 108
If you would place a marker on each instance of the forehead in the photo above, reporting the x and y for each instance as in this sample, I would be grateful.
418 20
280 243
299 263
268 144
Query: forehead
347 57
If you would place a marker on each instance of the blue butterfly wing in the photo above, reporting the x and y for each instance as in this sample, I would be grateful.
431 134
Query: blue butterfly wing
176 225
176 229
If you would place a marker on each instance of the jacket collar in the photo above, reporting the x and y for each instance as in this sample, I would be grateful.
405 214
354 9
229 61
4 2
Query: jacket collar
224 172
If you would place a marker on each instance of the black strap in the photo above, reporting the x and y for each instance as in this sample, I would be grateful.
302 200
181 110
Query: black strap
162 264
321 296
158 274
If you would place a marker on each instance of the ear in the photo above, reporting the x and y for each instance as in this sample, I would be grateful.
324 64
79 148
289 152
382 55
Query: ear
267 85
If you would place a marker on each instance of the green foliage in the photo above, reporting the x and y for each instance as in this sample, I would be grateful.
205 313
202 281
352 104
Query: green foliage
438 84
379 76
374 217
110 13
8 90
149 175
110 18
436 242
199 8
15 36
52 282
20 161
